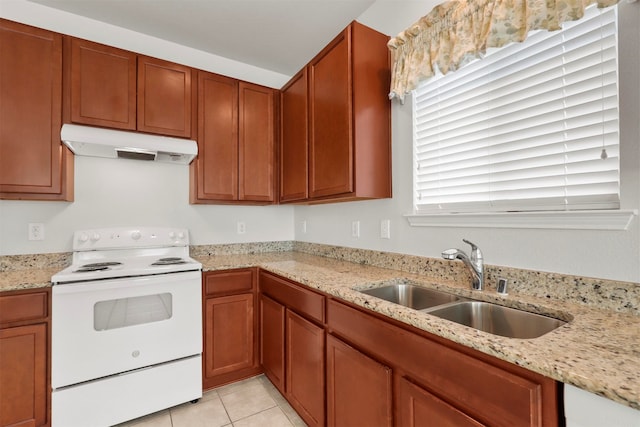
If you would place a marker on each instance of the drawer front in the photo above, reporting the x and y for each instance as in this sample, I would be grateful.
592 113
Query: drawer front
453 375
299 299
22 307
234 281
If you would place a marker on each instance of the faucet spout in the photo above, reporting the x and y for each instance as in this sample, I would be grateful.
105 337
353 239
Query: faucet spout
474 263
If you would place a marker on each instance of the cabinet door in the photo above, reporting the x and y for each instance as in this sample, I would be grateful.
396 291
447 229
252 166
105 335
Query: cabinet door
164 97
103 85
215 170
256 143
272 318
359 389
418 407
330 111
33 163
293 139
23 376
229 335
305 368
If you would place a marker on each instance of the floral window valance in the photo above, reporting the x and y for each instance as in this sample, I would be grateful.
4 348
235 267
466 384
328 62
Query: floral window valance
456 32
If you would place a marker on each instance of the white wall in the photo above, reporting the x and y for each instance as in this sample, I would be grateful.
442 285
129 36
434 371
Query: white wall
117 192
592 253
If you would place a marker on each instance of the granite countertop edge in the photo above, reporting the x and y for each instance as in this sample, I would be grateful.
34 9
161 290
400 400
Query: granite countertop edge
597 350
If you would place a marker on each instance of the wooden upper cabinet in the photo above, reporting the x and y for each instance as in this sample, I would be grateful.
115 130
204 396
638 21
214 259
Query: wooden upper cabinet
215 171
236 142
34 165
331 150
164 97
256 143
102 85
350 118
294 139
118 89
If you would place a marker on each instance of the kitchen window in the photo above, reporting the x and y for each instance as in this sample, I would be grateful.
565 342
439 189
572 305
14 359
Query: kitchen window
529 131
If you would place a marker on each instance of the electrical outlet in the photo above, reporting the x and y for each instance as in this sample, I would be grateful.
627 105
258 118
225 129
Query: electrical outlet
242 228
355 229
36 231
385 229
304 227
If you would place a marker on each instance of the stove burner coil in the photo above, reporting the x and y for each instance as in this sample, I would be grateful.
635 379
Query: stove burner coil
96 266
170 261
101 264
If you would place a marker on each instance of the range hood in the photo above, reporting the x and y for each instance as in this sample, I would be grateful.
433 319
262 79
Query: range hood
99 142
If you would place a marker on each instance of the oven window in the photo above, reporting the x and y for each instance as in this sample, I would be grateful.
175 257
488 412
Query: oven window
123 312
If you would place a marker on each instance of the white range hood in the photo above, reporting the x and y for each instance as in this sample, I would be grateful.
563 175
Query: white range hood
100 142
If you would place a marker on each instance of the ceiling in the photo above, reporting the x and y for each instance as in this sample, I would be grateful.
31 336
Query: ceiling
276 35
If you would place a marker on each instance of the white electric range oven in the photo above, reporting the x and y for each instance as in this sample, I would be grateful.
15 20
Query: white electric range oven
126 326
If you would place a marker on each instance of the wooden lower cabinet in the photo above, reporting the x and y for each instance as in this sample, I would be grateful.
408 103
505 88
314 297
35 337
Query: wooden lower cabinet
272 321
341 365
417 407
305 368
24 359
459 383
292 345
359 388
230 342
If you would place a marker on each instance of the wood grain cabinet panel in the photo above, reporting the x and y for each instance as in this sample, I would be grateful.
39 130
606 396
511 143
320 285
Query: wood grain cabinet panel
256 143
119 89
24 358
236 143
229 344
294 157
34 165
305 368
102 84
23 376
348 122
272 333
486 389
164 97
417 407
330 148
293 344
215 171
230 327
359 388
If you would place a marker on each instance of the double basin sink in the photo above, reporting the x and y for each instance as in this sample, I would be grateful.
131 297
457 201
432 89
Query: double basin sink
481 315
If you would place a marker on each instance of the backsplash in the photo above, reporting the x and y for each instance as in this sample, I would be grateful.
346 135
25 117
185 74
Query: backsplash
34 261
622 297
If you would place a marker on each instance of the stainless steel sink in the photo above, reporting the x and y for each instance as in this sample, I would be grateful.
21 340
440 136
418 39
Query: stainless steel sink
411 296
498 320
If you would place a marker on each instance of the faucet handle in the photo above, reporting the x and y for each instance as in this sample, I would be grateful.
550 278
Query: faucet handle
476 253
450 254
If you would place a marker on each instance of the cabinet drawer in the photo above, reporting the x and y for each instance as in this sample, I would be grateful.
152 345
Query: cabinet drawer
234 281
23 306
304 301
453 374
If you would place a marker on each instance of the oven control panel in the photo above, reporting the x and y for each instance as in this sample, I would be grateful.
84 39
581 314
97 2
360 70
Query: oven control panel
129 237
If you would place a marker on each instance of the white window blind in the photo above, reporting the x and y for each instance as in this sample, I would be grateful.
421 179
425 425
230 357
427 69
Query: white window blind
523 128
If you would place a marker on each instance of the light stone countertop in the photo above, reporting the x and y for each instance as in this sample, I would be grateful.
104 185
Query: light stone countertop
597 350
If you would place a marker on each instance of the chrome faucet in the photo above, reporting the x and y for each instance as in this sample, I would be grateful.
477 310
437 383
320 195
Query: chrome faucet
474 263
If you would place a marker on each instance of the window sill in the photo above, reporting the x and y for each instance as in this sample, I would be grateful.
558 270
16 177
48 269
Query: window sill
566 220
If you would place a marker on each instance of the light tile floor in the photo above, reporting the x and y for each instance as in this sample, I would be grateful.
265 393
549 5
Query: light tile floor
254 402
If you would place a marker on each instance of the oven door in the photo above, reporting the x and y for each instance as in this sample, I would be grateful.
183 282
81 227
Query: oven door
107 327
